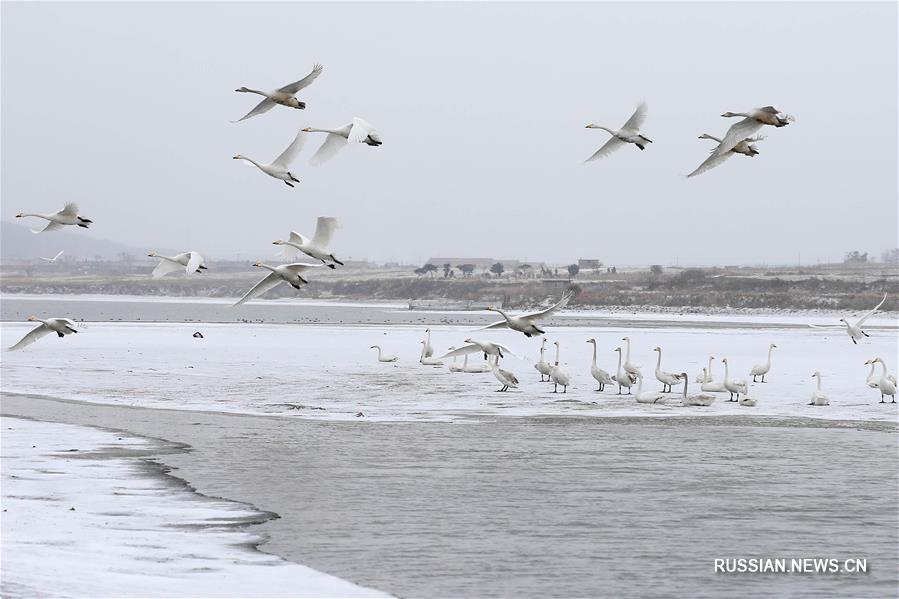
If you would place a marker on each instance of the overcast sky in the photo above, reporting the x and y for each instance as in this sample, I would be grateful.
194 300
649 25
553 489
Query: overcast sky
125 108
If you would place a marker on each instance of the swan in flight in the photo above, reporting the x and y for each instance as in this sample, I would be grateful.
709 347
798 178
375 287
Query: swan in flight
506 378
886 383
488 348
646 396
60 326
289 273
623 378
706 376
319 247
279 167
54 258
855 331
733 386
628 134
629 367
357 131
744 146
701 399
428 360
190 262
760 370
666 378
602 377
557 375
67 216
382 357
819 398
526 322
544 367
285 96
753 120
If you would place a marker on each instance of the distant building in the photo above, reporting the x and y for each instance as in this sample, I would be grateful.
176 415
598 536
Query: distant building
589 263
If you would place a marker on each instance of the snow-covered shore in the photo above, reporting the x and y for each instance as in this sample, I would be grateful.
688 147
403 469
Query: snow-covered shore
90 513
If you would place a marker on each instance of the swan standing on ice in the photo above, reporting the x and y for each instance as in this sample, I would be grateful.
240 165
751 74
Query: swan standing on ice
818 396
190 262
67 216
54 258
733 386
702 399
629 367
319 247
358 131
506 378
382 357
60 326
285 96
666 378
558 375
754 120
628 134
886 383
602 377
760 370
526 322
428 360
285 273
711 386
744 147
624 379
544 367
487 347
646 396
427 351
706 376
279 168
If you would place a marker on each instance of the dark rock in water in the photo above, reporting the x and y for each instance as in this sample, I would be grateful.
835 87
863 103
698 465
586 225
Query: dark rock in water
198 335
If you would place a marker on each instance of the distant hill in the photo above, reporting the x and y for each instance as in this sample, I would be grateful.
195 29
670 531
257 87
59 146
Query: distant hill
17 241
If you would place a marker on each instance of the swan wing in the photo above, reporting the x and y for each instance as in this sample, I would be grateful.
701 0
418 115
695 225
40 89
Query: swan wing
292 88
499 324
324 230
51 226
825 326
610 146
333 143
551 310
56 257
194 262
70 209
291 152
711 162
270 281
461 351
862 320
636 121
506 350
298 267
361 130
32 336
263 106
165 267
737 133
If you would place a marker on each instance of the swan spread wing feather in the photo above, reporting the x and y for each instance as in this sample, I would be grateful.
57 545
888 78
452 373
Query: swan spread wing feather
298 267
270 281
167 266
292 88
333 143
360 130
51 226
264 106
194 262
70 209
636 121
610 146
324 230
32 336
711 162
862 320
737 132
551 310
291 152
499 324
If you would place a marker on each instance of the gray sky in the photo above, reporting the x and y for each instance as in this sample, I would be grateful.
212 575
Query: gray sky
125 108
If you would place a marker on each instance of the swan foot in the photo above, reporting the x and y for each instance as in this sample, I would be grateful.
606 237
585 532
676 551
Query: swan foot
60 334
300 105
289 184
641 146
335 260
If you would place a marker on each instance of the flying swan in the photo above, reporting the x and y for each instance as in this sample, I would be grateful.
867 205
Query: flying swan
855 331
488 348
285 96
60 326
526 322
191 262
358 131
744 147
67 216
54 258
628 134
319 247
753 120
278 168
289 273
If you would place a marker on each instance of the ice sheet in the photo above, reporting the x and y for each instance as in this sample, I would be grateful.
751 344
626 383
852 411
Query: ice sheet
86 515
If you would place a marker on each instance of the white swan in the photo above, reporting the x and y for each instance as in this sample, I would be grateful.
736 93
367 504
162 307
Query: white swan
744 147
454 366
285 96
647 396
544 367
67 216
701 399
558 374
887 382
666 378
760 370
487 347
706 376
428 350
54 258
819 398
60 326
712 386
474 368
629 367
747 402
628 134
733 386
279 168
285 273
189 262
506 378
602 377
358 131
526 322
873 379
624 379
382 357
855 331
754 120
319 247
428 360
